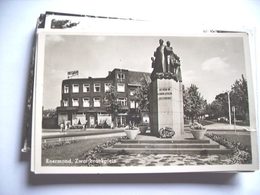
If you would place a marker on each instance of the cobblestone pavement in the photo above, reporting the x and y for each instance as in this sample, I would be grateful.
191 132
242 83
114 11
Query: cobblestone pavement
163 159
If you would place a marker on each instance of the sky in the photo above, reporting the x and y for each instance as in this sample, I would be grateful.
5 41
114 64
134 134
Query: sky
211 63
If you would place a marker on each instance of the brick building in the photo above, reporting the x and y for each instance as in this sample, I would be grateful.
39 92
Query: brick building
83 99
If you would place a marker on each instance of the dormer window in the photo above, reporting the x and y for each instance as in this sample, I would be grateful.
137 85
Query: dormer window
120 76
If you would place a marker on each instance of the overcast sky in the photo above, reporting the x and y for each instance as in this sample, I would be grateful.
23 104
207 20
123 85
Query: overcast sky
212 63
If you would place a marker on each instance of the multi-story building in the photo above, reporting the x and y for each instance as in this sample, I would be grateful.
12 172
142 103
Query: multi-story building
83 99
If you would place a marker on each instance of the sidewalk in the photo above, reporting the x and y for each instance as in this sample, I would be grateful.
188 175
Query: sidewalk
227 127
56 133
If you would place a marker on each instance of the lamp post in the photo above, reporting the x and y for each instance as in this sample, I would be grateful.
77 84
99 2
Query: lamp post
234 111
229 107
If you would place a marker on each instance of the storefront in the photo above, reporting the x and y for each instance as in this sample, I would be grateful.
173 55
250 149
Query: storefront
121 120
78 119
104 120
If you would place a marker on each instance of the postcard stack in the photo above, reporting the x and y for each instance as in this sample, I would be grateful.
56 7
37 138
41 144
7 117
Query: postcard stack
119 95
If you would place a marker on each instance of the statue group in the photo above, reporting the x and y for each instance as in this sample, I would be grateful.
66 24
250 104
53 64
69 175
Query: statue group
165 62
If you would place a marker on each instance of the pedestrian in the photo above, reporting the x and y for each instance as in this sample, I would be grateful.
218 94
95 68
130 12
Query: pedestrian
61 127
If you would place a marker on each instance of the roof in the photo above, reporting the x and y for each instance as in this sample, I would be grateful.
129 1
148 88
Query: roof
135 78
86 78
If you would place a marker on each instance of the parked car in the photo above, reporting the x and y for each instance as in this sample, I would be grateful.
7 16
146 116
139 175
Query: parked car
222 119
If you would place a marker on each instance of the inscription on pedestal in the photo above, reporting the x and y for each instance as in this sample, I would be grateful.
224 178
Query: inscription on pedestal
165 94
167 106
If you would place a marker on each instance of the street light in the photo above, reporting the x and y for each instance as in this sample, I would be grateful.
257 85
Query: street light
234 111
229 107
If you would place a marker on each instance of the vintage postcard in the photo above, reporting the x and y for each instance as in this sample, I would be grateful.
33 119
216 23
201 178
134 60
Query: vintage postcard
143 103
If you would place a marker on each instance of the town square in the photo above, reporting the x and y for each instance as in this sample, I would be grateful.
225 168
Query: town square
155 115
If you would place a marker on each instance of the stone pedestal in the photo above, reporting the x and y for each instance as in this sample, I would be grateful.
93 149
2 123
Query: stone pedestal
166 106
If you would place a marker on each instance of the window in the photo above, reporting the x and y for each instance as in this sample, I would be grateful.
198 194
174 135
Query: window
122 101
65 103
120 75
75 88
105 100
86 102
66 89
132 104
120 87
97 87
132 92
75 102
107 86
96 102
86 88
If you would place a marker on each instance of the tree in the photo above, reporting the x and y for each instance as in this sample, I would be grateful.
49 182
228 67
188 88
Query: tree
113 105
49 113
222 100
215 109
239 98
141 95
194 103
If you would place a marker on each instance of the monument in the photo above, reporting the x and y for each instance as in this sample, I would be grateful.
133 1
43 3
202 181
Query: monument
166 92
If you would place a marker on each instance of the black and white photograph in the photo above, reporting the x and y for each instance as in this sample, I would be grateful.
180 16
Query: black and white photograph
143 103
130 97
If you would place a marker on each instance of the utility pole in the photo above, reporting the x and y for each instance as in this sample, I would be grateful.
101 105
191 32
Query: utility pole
229 107
234 111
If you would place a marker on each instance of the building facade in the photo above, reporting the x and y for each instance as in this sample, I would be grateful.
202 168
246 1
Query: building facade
83 100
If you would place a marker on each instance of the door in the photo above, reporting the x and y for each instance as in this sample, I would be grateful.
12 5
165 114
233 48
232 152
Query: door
121 121
92 121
